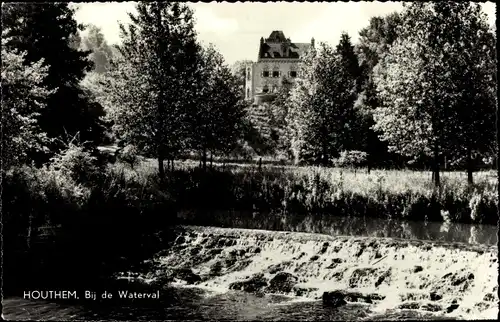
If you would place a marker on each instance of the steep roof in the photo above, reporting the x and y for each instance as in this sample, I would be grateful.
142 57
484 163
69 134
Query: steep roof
278 46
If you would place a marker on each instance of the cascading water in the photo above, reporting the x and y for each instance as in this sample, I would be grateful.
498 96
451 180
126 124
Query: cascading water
455 280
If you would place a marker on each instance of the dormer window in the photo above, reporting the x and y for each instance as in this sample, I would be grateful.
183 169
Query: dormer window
276 73
265 73
292 74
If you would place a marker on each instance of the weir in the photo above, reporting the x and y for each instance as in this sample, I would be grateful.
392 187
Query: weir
454 280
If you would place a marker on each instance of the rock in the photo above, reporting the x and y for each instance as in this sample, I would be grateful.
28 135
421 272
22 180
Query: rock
452 308
273 269
216 268
324 248
253 250
431 307
230 242
358 274
482 306
360 251
195 250
253 285
334 299
435 296
459 280
357 297
489 297
231 260
313 258
180 240
409 306
302 291
376 297
447 275
282 283
383 277
186 274
215 251
417 269
221 242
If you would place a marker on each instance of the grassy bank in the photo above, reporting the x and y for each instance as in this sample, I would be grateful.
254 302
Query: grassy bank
290 191
109 216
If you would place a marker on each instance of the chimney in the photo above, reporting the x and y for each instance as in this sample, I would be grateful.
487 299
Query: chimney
312 42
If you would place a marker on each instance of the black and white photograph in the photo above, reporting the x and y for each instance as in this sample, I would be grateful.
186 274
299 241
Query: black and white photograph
249 161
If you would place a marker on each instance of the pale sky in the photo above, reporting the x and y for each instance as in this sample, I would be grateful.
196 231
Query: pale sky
235 28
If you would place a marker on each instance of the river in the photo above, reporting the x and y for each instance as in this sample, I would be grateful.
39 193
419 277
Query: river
247 274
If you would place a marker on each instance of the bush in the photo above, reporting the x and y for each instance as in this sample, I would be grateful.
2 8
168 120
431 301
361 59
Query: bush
351 159
76 163
129 155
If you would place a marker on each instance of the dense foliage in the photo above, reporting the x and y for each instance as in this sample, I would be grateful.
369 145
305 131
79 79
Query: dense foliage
436 86
30 28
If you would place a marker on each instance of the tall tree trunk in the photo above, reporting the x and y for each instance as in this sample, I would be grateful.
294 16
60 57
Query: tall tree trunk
437 181
211 159
470 166
172 163
161 169
204 159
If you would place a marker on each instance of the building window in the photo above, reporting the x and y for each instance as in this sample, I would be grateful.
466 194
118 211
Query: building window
293 74
265 73
265 89
275 89
248 74
276 73
248 92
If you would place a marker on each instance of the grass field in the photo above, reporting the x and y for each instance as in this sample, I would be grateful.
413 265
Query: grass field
350 192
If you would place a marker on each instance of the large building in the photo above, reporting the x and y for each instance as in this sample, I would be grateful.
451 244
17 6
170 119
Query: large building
278 59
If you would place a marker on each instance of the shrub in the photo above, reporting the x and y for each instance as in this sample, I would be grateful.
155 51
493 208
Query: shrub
129 155
351 159
76 163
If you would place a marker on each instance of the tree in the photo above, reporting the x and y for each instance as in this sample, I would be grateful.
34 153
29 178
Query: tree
421 94
218 113
474 72
152 89
321 114
375 41
23 96
31 28
349 60
101 53
277 115
238 69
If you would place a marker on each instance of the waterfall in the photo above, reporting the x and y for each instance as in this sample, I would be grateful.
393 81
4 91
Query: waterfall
448 279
